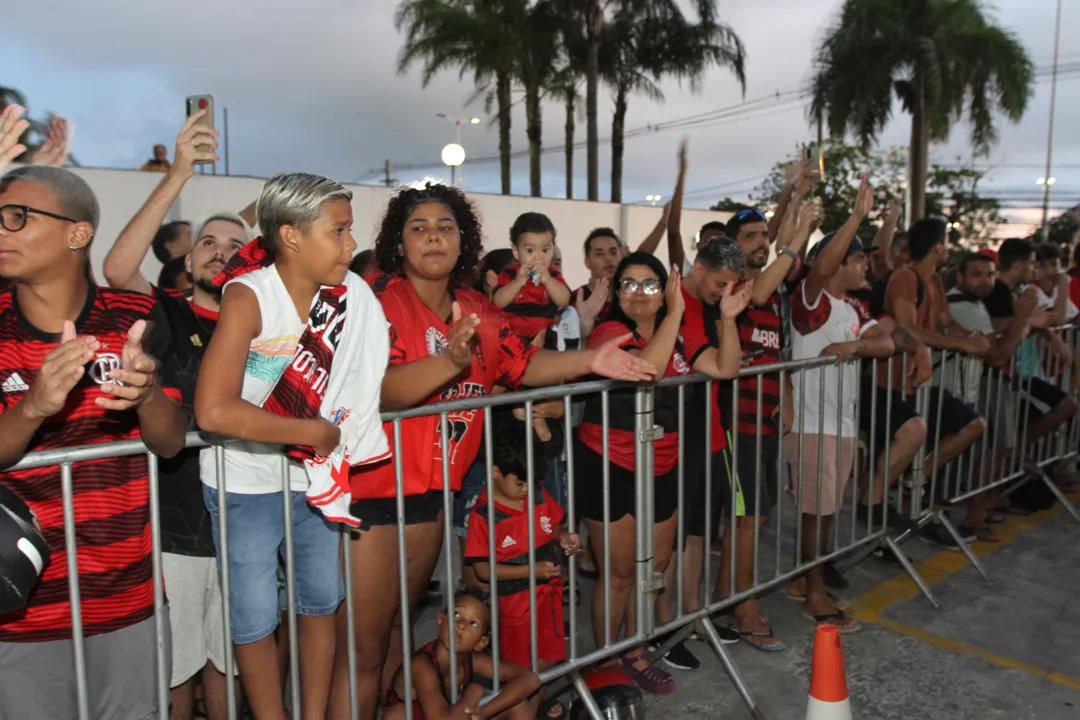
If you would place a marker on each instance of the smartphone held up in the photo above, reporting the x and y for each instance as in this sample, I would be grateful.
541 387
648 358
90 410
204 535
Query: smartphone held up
195 103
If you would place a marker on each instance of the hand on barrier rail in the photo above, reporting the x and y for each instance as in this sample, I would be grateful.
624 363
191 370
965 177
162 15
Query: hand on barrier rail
133 383
12 126
922 366
460 337
977 344
843 351
60 372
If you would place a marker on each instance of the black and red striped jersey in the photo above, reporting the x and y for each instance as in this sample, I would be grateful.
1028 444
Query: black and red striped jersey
761 329
111 496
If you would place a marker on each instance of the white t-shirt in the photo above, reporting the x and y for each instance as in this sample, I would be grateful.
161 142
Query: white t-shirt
255 468
816 326
1049 301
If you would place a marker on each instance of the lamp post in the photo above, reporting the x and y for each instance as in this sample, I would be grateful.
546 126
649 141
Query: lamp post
1049 180
653 199
453 154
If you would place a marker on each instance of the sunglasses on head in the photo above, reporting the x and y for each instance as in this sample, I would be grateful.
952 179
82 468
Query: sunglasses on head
628 285
749 214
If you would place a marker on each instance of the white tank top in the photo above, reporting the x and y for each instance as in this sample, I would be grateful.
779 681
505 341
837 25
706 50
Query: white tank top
256 468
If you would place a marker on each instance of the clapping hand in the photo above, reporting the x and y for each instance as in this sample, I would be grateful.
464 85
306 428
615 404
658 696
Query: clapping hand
733 303
134 382
461 334
12 126
60 373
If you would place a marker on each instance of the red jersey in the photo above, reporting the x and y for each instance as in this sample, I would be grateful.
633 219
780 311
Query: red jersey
500 357
760 329
621 438
533 310
700 331
512 544
111 496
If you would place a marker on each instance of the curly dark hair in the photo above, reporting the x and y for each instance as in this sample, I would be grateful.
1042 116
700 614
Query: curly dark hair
397 213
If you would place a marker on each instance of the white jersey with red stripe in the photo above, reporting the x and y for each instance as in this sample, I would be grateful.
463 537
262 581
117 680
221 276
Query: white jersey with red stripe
816 326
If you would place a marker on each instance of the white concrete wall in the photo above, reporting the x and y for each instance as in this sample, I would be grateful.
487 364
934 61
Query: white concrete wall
122 192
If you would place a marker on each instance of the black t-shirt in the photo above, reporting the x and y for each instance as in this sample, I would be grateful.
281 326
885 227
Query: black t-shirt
185 524
1000 301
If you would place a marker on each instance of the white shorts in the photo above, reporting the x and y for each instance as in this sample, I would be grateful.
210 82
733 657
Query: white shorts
198 634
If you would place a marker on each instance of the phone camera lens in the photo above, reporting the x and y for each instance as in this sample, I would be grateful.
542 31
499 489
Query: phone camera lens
202 103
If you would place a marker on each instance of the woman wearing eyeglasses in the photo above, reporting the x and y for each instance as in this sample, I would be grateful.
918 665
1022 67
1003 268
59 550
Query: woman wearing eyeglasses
649 305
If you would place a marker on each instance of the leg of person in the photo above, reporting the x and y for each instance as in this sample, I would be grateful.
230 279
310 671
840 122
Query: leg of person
37 680
256 531
185 578
1059 408
319 593
621 536
897 424
121 670
960 427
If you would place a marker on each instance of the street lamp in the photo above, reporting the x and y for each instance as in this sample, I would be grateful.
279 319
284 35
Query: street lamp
452 156
653 199
454 151
1044 181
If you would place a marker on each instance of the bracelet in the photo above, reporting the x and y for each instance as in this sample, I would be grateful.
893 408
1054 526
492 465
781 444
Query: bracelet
789 252
662 223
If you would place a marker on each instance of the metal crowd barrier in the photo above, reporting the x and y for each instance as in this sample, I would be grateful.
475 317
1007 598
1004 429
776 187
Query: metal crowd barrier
777 555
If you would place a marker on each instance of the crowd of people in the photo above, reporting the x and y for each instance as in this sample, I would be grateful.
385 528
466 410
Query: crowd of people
289 344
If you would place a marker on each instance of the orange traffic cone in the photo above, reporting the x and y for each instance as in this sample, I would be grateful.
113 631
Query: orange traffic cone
828 687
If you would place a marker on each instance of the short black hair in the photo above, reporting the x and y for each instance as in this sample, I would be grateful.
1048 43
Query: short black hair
924 236
713 225
1012 251
1047 252
720 253
973 257
635 259
531 222
165 236
600 232
509 451
743 217
361 261
474 592
495 260
900 238
171 271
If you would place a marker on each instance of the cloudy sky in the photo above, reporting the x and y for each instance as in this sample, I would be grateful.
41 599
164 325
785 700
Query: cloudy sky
313 85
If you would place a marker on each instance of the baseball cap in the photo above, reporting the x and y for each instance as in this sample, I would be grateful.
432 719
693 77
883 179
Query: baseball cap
855 246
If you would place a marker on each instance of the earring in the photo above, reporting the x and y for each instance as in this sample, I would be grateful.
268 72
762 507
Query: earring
73 248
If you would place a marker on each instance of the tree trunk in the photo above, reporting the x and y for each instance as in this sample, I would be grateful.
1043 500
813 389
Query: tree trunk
533 130
502 96
918 152
618 126
571 97
594 18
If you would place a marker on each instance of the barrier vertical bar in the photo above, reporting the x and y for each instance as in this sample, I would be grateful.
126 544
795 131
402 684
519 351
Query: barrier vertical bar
78 648
448 539
530 507
403 579
872 456
838 499
706 553
778 509
734 486
493 580
605 425
643 488
156 573
571 522
680 530
820 459
290 588
223 564
856 466
800 482
757 477
350 624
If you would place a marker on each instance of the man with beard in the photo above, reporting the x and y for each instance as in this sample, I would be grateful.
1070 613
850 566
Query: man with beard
198 645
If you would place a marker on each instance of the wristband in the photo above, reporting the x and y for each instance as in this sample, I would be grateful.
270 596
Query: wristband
789 252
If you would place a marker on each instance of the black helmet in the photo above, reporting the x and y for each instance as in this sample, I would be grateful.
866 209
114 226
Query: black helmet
23 552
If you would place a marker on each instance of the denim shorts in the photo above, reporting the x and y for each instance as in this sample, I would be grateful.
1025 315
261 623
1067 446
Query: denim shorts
257 551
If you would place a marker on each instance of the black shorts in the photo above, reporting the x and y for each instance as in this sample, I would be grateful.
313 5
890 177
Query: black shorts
1039 398
720 491
419 509
589 488
885 417
955 416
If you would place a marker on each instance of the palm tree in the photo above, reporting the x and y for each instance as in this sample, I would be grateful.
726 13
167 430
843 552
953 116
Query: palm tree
645 42
941 58
565 82
472 36
539 32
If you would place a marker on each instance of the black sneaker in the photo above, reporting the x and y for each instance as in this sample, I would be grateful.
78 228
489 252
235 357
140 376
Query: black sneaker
937 535
728 635
680 658
833 579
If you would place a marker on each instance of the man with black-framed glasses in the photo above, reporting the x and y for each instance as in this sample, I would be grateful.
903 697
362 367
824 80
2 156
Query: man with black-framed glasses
77 366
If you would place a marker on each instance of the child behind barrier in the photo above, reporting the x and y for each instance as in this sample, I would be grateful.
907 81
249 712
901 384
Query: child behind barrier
431 670
553 541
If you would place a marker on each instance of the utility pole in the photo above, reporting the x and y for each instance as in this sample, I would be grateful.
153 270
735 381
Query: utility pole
225 137
1048 179
388 180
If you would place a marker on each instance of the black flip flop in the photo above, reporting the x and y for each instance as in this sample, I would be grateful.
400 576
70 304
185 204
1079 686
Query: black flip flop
545 709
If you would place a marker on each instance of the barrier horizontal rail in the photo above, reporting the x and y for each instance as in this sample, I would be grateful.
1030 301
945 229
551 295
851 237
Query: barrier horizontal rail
647 585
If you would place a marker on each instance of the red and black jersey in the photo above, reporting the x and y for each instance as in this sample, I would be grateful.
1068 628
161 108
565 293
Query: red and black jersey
533 310
701 330
761 329
621 409
512 543
111 496
586 293
500 357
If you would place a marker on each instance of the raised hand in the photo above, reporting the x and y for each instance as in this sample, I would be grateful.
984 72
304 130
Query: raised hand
133 383
57 145
733 303
460 339
591 307
609 361
12 126
187 153
60 372
864 202
673 296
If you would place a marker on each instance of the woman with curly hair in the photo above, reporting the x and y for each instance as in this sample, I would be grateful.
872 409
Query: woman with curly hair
447 342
